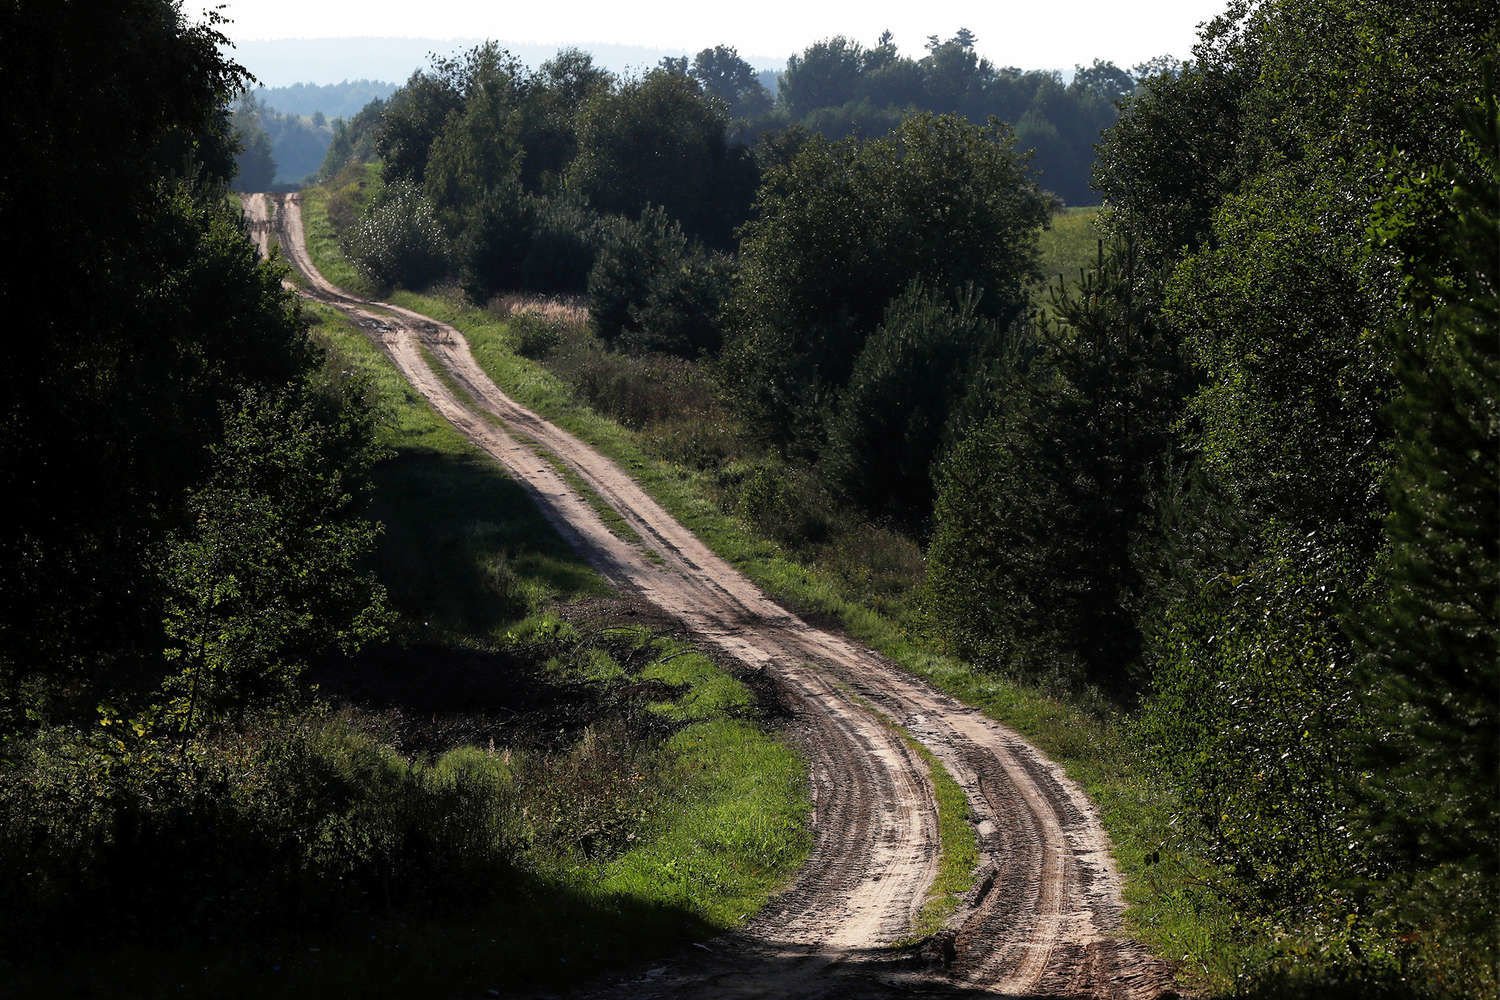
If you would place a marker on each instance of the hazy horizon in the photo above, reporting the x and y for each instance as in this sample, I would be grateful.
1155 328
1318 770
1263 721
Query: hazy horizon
1053 36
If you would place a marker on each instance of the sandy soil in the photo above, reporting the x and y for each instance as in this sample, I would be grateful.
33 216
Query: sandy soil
1044 919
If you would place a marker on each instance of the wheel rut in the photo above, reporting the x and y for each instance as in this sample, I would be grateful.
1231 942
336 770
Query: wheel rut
1048 919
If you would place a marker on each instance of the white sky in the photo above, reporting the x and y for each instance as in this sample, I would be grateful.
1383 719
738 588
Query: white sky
1052 34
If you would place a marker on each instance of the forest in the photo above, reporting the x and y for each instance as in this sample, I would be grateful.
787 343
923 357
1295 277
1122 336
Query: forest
836 89
1222 495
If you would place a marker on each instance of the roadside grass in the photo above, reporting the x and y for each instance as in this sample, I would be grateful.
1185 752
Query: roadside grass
1171 905
347 193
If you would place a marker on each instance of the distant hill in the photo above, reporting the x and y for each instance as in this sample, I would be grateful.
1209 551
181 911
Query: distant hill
279 63
332 100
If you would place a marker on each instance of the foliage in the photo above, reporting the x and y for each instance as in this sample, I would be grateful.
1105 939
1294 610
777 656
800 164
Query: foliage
267 572
1049 483
155 327
658 141
1432 642
843 229
651 289
1259 179
254 163
888 424
400 241
353 140
295 820
722 73
839 88
344 100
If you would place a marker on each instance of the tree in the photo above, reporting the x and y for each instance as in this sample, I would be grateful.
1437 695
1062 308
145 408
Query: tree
1432 642
150 312
843 229
1032 561
825 75
721 72
254 167
652 289
888 424
480 145
658 141
401 240
413 117
267 571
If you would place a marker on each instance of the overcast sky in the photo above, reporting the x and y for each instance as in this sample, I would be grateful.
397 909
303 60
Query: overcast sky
1052 34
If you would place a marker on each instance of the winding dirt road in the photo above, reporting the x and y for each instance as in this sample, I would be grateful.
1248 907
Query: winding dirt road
1044 919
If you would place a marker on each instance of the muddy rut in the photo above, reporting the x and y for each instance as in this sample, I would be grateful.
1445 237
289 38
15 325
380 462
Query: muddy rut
1044 918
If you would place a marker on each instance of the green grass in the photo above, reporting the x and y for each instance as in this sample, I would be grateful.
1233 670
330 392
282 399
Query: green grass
955 875
1168 908
959 844
322 241
1070 244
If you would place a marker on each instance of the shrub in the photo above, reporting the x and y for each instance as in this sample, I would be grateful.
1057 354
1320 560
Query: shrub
786 503
535 336
885 432
653 290
292 820
565 238
400 241
495 242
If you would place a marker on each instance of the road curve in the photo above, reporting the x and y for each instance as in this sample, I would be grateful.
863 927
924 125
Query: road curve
1045 916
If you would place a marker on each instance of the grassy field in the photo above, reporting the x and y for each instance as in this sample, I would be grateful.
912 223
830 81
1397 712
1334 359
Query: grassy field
1070 244
1169 905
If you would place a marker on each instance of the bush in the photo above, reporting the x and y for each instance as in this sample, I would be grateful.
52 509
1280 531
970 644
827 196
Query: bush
494 243
564 241
400 241
535 336
1254 712
651 289
783 502
886 429
291 820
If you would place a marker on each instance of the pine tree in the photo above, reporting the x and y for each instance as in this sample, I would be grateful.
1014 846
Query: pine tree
1434 642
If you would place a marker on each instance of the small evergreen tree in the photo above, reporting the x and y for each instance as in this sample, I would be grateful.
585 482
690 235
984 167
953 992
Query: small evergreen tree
1031 561
1434 642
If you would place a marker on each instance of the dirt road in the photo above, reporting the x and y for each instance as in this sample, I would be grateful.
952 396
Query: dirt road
1044 919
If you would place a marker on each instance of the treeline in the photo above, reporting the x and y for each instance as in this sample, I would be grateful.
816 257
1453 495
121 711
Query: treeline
1241 476
1247 477
332 100
187 475
840 89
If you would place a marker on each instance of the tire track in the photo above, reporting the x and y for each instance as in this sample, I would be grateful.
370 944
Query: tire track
1045 917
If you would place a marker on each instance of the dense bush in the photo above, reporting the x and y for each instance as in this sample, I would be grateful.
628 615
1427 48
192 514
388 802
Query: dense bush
565 240
1047 495
293 820
515 241
889 422
653 290
400 241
